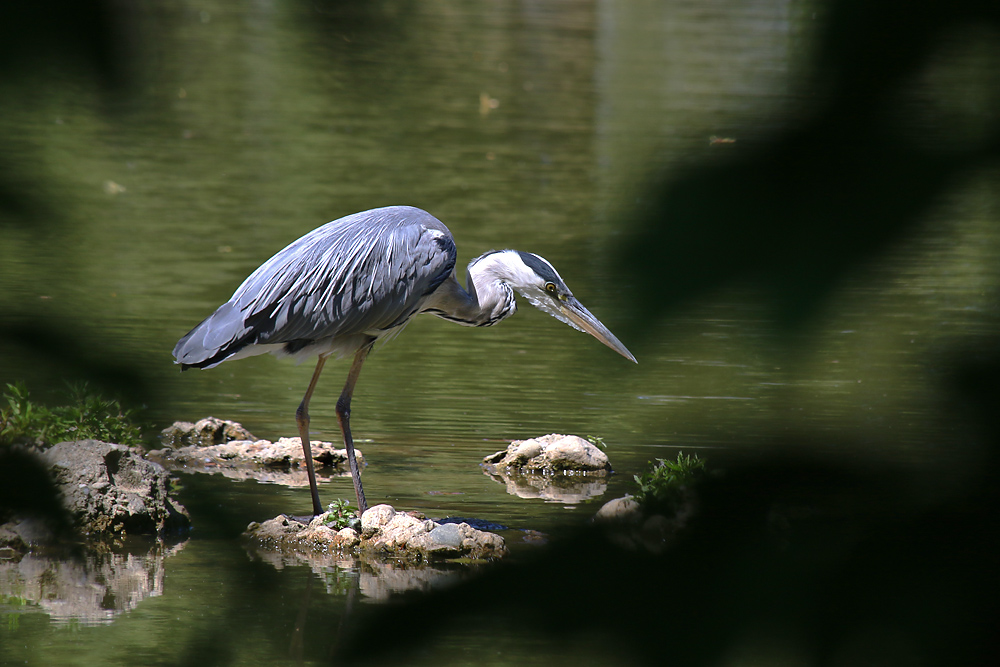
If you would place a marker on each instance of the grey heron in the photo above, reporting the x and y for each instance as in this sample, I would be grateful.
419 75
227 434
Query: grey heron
343 286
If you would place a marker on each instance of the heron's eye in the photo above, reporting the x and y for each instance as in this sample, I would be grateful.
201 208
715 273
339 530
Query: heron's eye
551 288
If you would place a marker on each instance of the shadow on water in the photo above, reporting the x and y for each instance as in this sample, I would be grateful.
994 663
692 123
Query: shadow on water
788 559
801 558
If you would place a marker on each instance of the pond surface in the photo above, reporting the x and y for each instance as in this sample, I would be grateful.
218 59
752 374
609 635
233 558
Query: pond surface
527 125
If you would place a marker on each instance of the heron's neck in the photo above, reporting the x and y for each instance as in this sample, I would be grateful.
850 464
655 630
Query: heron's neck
487 298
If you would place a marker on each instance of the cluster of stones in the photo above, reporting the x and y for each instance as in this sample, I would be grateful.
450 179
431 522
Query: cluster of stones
204 432
286 453
114 490
383 532
556 457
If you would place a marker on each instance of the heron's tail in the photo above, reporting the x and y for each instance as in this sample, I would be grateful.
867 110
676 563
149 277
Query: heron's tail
219 336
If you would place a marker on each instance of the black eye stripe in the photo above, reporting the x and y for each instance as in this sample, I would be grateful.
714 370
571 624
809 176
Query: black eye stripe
539 266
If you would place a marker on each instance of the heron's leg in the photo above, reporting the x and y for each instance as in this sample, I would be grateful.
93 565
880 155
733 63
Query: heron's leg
344 417
302 420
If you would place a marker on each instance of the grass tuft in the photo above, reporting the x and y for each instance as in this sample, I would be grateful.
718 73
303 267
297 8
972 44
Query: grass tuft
87 415
665 483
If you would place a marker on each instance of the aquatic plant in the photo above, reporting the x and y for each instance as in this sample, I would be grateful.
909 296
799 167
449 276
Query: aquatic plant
340 515
664 483
87 415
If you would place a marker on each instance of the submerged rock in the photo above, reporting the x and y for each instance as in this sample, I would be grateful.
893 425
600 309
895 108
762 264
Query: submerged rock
551 454
384 532
625 510
631 525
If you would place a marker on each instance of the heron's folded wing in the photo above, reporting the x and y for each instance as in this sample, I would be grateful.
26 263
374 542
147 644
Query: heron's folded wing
365 273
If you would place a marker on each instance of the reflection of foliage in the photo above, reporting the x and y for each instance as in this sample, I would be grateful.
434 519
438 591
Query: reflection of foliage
665 482
87 415
338 581
340 515
13 617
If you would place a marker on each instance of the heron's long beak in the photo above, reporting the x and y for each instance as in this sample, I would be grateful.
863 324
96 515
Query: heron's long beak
581 318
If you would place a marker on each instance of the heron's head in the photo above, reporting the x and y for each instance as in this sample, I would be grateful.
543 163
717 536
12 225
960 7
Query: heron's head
539 282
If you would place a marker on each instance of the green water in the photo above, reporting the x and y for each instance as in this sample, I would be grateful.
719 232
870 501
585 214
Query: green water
527 125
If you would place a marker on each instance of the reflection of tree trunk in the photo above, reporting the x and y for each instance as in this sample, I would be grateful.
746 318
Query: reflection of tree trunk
297 644
342 624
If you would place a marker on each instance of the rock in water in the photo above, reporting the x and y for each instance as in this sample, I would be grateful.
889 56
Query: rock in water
619 511
266 457
112 489
551 454
384 533
204 432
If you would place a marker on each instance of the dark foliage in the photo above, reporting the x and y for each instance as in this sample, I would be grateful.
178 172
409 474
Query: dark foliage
845 563
842 565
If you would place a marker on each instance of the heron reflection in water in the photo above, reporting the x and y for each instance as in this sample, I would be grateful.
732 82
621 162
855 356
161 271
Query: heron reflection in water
343 286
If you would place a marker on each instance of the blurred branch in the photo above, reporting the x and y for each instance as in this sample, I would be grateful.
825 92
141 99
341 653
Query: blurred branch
865 570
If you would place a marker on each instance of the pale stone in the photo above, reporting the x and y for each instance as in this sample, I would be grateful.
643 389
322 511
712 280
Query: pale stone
550 454
447 534
525 450
346 538
376 517
619 510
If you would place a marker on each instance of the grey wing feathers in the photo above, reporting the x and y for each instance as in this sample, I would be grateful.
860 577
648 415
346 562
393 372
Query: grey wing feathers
365 273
